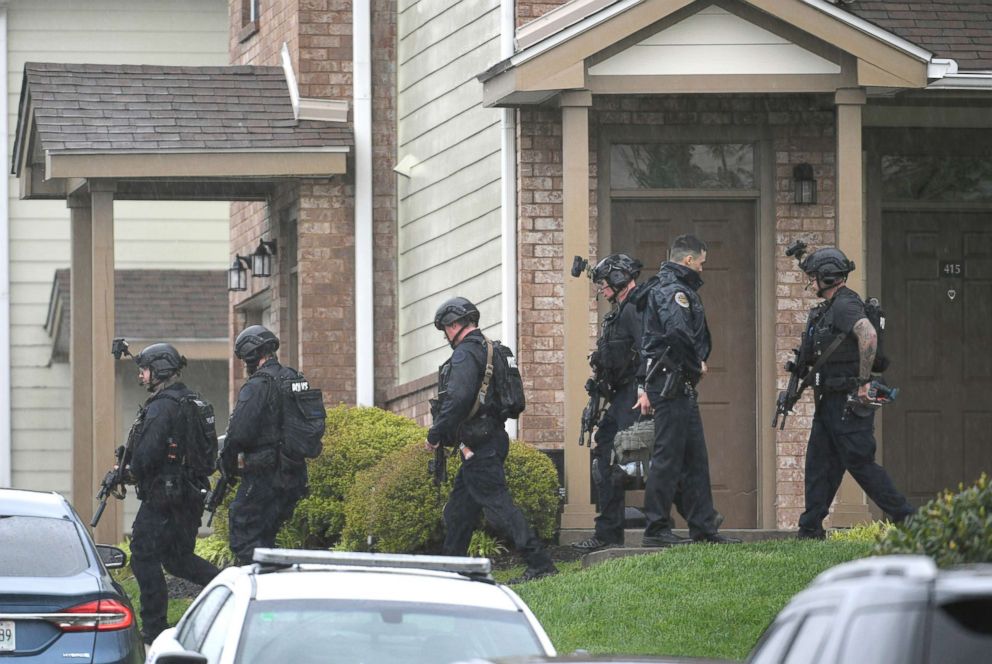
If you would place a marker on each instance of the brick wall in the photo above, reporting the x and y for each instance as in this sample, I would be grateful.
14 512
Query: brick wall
528 10
411 399
319 36
802 129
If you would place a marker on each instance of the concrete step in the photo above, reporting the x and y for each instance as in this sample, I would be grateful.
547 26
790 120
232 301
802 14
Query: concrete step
632 542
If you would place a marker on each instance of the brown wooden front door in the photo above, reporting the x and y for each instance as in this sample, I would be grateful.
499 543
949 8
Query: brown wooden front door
727 396
937 295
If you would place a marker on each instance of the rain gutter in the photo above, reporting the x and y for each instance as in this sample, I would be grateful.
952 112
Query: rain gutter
364 268
5 406
508 195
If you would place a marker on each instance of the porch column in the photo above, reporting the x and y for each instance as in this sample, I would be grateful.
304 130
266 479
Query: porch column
80 354
109 530
852 505
579 511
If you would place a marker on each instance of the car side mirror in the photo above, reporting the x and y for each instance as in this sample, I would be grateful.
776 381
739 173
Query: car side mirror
112 557
182 657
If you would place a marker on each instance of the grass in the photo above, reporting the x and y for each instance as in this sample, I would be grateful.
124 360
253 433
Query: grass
699 600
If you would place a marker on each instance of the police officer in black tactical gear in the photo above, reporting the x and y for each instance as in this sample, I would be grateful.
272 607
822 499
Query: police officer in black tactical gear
271 483
841 438
615 361
674 349
171 493
480 435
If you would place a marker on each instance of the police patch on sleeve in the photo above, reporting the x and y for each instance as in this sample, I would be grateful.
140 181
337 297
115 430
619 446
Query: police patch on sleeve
682 300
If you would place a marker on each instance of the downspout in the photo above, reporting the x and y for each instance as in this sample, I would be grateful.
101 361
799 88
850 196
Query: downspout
5 406
508 194
364 269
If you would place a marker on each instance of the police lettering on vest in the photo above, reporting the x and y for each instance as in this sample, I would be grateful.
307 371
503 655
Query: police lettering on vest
302 412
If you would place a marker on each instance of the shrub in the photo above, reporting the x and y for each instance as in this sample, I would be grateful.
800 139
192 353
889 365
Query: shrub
215 550
397 505
867 533
952 528
355 439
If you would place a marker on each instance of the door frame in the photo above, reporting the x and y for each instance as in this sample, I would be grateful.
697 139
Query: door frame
960 141
766 369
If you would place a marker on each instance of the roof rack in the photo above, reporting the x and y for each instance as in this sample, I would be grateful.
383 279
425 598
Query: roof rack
289 557
921 568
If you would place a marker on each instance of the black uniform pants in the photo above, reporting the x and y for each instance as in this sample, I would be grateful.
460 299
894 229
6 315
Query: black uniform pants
259 509
679 456
607 476
481 485
842 441
165 537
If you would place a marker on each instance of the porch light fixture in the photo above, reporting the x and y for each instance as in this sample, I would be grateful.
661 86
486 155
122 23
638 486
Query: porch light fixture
261 260
237 274
804 185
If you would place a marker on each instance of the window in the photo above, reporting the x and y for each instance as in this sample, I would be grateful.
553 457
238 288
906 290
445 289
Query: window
962 632
194 627
885 635
682 166
937 178
45 547
812 633
249 19
217 632
774 642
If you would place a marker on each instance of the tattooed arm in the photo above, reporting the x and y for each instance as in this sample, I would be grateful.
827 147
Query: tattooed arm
867 347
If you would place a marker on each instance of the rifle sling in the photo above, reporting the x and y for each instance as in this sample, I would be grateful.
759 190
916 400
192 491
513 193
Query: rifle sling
811 376
485 381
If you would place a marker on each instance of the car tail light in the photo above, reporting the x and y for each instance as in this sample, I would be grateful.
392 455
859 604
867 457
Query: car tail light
98 616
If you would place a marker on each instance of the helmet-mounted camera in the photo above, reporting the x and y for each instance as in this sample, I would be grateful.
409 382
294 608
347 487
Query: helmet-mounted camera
118 348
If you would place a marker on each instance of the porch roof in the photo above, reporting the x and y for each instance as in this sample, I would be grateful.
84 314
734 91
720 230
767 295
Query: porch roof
151 305
133 123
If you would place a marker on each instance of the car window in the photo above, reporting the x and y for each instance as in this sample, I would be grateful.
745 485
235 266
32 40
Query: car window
962 632
774 642
45 547
213 644
884 635
197 622
805 648
319 631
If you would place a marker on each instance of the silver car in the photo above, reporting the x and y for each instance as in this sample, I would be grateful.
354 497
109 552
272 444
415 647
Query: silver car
321 606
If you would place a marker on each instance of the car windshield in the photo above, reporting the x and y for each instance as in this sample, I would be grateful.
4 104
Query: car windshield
39 546
324 631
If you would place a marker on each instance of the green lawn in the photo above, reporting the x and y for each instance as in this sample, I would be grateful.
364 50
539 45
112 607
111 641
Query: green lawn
700 600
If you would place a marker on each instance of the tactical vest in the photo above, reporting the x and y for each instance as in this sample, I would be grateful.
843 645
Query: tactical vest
845 360
616 356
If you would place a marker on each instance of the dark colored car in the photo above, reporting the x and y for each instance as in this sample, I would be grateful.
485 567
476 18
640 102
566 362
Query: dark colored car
58 602
601 659
885 610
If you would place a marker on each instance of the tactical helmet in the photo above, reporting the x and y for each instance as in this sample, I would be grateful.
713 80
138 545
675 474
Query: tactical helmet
453 310
163 360
616 271
253 342
828 264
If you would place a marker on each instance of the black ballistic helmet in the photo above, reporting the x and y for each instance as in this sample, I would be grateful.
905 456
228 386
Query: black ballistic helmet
616 271
253 342
163 359
828 264
453 310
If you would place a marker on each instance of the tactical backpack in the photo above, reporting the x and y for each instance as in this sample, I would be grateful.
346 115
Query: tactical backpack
502 372
198 431
302 413
875 315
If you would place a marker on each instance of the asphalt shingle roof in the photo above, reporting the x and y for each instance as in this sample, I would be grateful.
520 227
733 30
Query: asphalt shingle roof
86 107
153 304
957 29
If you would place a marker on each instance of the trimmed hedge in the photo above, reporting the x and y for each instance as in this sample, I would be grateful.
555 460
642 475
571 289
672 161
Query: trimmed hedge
396 504
952 528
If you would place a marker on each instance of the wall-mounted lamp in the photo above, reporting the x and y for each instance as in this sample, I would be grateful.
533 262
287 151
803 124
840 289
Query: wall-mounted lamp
804 185
261 260
237 274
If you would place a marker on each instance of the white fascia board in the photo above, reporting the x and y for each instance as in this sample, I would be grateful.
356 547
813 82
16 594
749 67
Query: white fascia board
310 108
864 26
963 81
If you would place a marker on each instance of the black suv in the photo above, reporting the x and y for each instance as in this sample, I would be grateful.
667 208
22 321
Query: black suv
885 610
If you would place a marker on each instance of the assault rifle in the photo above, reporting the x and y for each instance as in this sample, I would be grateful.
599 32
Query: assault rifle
599 399
113 483
798 369
438 466
216 495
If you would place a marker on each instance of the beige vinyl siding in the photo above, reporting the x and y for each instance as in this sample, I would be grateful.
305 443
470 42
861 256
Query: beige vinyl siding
449 206
148 234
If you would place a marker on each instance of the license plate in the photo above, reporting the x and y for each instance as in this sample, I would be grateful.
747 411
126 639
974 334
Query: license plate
7 642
